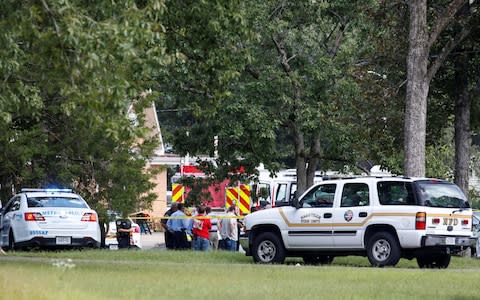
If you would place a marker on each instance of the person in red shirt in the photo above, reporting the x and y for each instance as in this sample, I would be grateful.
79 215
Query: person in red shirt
200 229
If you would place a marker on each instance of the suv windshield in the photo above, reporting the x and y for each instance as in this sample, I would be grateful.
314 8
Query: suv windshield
441 194
56 202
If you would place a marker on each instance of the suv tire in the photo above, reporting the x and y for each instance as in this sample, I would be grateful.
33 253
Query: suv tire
383 249
318 259
439 261
268 249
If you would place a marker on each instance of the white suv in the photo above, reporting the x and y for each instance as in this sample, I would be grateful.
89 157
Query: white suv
383 218
48 218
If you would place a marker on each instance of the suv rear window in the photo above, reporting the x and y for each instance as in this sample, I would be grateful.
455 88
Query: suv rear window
441 194
56 202
395 193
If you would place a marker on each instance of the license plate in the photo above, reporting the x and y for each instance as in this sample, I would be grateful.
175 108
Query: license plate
450 241
113 247
63 240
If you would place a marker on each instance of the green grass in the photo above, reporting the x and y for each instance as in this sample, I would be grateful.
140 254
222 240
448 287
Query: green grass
153 274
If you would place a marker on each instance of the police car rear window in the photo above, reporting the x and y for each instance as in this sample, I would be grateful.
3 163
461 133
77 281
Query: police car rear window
56 202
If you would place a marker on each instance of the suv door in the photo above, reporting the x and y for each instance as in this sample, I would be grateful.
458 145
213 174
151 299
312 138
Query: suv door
350 215
310 226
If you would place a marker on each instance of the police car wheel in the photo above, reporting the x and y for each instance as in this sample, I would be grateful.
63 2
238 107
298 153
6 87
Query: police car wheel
383 249
440 261
318 259
268 249
11 241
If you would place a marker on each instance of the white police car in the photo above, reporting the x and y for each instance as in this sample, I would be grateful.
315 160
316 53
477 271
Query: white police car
48 218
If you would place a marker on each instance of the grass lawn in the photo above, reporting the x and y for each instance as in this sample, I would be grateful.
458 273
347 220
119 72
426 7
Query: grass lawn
151 274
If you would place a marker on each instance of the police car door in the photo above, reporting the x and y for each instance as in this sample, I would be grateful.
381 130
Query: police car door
9 214
310 226
351 214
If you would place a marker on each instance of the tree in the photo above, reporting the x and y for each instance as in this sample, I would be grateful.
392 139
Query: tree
206 40
420 72
291 88
466 66
69 74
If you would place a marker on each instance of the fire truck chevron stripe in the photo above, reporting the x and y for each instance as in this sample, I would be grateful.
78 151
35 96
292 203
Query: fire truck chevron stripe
244 199
243 205
231 196
177 192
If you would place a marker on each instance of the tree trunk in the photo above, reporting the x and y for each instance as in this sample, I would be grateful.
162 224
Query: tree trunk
462 124
313 161
417 91
300 163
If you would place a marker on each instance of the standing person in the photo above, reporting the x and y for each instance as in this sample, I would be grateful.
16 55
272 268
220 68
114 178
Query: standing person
163 222
213 234
229 229
178 225
239 227
190 237
201 228
142 222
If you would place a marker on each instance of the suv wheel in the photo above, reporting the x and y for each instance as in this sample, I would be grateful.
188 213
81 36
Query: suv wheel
318 259
268 249
383 249
440 261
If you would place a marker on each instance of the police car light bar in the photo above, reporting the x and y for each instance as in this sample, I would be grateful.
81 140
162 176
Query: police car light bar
46 190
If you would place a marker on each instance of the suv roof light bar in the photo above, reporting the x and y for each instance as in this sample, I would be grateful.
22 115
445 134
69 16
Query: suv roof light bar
333 177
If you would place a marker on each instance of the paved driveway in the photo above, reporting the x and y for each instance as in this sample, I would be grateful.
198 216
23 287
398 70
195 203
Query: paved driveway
155 240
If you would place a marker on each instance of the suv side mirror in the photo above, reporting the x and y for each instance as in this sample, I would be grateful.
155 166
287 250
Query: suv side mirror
295 203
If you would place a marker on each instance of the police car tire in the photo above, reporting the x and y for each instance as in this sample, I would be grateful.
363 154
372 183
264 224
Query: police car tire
440 261
268 249
318 259
376 245
11 241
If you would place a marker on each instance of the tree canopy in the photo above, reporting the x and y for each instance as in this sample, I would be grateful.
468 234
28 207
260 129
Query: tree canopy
70 72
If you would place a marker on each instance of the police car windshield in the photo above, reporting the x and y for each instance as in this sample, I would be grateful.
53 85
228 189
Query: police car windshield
441 194
56 202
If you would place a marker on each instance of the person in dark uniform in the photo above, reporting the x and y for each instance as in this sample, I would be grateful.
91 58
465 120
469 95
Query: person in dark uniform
163 222
124 227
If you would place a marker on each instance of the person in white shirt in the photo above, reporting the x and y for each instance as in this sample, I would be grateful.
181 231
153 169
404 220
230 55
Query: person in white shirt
229 229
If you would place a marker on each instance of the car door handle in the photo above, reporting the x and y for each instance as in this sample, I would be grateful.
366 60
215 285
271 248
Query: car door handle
362 214
327 215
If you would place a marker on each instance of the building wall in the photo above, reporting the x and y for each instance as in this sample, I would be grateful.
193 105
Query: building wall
159 206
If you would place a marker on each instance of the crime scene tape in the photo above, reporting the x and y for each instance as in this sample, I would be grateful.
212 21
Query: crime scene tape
187 217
